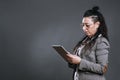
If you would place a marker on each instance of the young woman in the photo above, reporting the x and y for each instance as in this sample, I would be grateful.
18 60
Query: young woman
90 57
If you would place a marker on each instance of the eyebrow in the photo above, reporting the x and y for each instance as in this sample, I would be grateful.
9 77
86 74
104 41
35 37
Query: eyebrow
86 23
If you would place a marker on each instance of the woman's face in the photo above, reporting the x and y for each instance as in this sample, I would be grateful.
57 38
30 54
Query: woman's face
89 26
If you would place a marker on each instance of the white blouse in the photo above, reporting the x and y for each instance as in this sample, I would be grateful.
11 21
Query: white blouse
78 52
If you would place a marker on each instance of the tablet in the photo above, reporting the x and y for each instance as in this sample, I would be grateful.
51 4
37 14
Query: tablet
61 50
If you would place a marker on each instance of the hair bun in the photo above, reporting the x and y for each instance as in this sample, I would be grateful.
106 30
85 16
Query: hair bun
96 8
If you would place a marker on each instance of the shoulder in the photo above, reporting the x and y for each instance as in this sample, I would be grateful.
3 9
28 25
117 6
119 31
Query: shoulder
102 42
102 39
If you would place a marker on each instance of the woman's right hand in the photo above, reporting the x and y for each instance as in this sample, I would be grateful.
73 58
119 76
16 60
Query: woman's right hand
73 59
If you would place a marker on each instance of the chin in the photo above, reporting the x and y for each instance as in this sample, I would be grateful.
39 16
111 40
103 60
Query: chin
88 35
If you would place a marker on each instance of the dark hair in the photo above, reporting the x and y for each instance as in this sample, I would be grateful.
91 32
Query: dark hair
102 29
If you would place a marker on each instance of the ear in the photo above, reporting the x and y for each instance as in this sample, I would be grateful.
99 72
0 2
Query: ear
97 24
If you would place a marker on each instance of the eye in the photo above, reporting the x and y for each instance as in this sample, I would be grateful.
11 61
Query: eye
87 25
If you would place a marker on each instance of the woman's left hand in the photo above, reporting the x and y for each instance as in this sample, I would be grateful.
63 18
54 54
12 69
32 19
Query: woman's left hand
74 59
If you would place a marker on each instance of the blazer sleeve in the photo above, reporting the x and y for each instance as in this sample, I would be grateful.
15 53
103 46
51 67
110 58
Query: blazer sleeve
102 50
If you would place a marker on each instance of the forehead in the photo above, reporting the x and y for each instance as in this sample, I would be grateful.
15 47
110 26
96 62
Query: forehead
87 20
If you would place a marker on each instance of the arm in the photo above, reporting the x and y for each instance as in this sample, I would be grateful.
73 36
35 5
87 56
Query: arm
70 65
100 66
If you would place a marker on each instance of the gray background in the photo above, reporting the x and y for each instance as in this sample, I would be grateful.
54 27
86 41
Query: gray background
28 28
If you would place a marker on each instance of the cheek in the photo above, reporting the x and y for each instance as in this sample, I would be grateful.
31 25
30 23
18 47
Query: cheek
93 30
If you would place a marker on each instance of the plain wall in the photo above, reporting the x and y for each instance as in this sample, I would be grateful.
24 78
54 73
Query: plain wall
28 28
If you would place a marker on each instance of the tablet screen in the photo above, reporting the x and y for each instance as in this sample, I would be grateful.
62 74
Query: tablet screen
61 50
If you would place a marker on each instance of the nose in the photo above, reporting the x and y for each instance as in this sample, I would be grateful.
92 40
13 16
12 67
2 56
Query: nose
84 28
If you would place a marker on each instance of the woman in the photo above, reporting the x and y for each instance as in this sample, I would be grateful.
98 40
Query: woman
90 58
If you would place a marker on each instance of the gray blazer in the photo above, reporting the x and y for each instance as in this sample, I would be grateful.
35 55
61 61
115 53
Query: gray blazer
94 61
